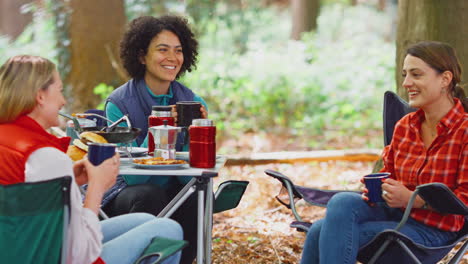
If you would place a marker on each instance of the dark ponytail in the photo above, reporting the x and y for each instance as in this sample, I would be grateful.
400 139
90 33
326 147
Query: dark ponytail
459 93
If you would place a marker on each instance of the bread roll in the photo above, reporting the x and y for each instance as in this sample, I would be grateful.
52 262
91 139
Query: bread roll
92 137
80 147
78 143
75 153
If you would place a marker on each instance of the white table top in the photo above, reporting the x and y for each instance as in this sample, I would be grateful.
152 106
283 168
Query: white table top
126 168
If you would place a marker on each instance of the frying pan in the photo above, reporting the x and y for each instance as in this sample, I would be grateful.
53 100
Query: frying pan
118 134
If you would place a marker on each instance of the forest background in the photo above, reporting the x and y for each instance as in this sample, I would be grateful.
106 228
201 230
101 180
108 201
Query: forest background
323 87
312 72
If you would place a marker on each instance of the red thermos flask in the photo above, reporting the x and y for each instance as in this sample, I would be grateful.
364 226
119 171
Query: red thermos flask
159 113
202 143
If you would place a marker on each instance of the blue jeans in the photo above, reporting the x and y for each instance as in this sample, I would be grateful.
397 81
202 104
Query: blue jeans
350 223
126 236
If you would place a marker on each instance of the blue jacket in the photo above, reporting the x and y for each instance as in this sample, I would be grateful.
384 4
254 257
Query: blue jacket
133 99
110 194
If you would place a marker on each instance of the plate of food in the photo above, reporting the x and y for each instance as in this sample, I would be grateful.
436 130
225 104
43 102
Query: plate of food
160 163
134 151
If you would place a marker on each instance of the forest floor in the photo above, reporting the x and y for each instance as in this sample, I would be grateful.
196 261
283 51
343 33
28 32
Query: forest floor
258 231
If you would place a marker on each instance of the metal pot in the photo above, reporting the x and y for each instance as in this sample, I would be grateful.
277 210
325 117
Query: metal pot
165 138
118 134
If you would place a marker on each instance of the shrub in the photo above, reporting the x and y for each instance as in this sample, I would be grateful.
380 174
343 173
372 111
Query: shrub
333 79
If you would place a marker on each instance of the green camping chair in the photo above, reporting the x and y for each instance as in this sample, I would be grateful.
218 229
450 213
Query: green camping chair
32 229
160 249
228 195
32 217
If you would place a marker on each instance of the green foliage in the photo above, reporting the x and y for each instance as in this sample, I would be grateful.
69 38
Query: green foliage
332 80
136 8
61 13
252 239
37 39
254 78
103 90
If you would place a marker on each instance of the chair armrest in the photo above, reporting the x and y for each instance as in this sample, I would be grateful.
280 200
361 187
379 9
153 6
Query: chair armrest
284 181
440 198
162 248
291 189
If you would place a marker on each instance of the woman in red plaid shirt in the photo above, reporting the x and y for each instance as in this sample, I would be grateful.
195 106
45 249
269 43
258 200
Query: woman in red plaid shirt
429 145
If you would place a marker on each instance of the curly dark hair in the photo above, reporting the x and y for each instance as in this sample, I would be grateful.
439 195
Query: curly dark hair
142 30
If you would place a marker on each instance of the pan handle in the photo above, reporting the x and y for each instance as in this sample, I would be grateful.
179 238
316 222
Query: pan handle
76 124
120 120
128 122
84 115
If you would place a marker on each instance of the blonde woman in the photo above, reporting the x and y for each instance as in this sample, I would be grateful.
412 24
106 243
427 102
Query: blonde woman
31 97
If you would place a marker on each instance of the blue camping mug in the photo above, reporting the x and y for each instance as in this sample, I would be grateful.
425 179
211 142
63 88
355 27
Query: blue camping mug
373 184
99 152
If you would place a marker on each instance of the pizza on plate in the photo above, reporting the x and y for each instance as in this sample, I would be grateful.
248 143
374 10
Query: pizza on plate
158 161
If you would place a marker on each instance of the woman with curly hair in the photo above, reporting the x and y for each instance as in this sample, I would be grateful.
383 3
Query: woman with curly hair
155 52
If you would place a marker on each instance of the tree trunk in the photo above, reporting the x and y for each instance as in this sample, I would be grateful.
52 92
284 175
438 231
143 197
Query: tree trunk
12 21
304 17
381 5
95 30
432 20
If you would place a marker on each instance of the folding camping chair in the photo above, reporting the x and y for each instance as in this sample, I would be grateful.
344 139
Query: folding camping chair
228 195
391 246
394 109
34 219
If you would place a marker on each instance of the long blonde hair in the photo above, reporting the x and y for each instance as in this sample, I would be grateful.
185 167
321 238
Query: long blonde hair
21 77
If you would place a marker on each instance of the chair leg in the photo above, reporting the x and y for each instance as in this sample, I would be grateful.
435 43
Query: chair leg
405 247
386 244
292 204
379 251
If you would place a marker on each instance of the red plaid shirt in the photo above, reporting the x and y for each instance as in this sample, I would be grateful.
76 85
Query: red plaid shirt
445 161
